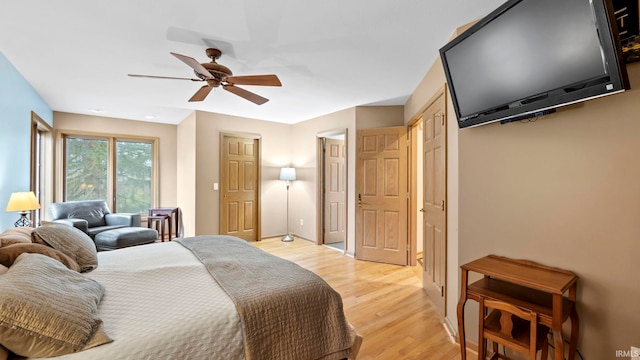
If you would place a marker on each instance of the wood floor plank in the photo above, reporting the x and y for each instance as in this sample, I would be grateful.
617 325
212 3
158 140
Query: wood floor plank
385 303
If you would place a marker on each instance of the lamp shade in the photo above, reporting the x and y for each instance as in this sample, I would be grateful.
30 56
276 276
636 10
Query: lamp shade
287 173
22 201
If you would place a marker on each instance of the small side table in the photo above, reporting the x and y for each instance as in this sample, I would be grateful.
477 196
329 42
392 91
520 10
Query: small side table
171 214
159 221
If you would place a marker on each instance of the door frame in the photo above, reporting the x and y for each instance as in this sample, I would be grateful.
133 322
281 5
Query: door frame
258 139
320 183
415 135
42 165
442 92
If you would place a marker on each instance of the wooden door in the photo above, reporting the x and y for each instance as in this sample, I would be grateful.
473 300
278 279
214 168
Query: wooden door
381 195
334 191
434 195
239 184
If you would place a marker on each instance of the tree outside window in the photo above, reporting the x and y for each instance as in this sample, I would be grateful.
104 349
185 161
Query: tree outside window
134 165
88 161
86 169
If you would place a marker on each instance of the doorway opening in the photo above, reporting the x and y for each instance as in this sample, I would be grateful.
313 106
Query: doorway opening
416 176
332 180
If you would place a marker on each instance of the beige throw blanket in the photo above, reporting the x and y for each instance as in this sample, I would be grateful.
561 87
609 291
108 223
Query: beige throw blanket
287 312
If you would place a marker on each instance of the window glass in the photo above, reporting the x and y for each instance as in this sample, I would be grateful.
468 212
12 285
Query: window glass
134 165
86 169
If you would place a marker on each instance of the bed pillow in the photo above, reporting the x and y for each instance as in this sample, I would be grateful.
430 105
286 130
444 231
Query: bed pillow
70 241
48 310
3 269
9 254
16 235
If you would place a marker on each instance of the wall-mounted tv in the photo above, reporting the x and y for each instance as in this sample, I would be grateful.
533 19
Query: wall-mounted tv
529 56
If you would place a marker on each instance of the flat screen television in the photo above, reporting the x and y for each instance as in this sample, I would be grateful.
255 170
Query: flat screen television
530 56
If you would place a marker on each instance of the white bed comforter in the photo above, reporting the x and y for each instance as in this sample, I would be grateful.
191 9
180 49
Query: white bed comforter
153 310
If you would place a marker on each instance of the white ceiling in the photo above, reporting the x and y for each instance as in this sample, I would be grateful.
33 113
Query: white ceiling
329 54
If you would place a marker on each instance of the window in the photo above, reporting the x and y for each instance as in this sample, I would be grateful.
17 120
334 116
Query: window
97 167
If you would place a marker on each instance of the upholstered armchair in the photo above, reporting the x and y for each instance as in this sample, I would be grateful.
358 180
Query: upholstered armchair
92 216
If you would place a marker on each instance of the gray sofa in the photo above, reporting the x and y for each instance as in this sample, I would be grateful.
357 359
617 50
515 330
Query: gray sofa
109 231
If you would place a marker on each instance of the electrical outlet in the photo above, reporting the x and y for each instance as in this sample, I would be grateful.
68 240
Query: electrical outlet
301 222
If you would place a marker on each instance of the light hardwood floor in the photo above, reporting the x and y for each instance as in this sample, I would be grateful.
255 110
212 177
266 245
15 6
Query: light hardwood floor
385 303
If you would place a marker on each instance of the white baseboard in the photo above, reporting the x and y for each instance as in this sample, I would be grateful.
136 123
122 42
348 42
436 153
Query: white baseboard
453 336
451 330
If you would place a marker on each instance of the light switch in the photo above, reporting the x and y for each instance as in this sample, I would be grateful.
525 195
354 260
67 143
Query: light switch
215 186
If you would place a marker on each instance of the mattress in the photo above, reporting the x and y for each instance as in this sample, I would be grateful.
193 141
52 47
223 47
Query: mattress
161 303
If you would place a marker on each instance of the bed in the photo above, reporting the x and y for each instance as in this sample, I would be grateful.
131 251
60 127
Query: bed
214 297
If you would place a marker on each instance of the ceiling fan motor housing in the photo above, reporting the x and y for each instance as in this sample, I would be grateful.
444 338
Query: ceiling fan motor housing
217 71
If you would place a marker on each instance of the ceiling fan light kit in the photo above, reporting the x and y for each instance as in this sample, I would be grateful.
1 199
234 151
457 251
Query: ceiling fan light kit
216 75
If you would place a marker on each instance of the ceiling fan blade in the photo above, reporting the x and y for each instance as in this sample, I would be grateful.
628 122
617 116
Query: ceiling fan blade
254 98
201 94
194 64
262 80
162 77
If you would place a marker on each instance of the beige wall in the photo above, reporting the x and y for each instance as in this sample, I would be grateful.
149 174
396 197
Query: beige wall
275 153
563 191
431 83
304 192
371 117
186 173
165 133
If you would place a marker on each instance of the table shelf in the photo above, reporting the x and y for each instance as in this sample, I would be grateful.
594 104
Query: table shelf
521 296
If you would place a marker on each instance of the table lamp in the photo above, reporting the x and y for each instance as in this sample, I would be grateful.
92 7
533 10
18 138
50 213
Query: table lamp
23 202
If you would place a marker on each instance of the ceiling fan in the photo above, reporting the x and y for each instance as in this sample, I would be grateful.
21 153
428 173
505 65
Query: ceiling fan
217 75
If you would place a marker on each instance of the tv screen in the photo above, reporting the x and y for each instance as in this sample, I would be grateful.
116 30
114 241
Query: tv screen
529 56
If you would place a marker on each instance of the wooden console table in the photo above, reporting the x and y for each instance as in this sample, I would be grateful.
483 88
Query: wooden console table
527 285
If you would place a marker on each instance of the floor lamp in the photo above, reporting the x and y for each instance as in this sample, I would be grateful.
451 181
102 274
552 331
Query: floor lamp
287 174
